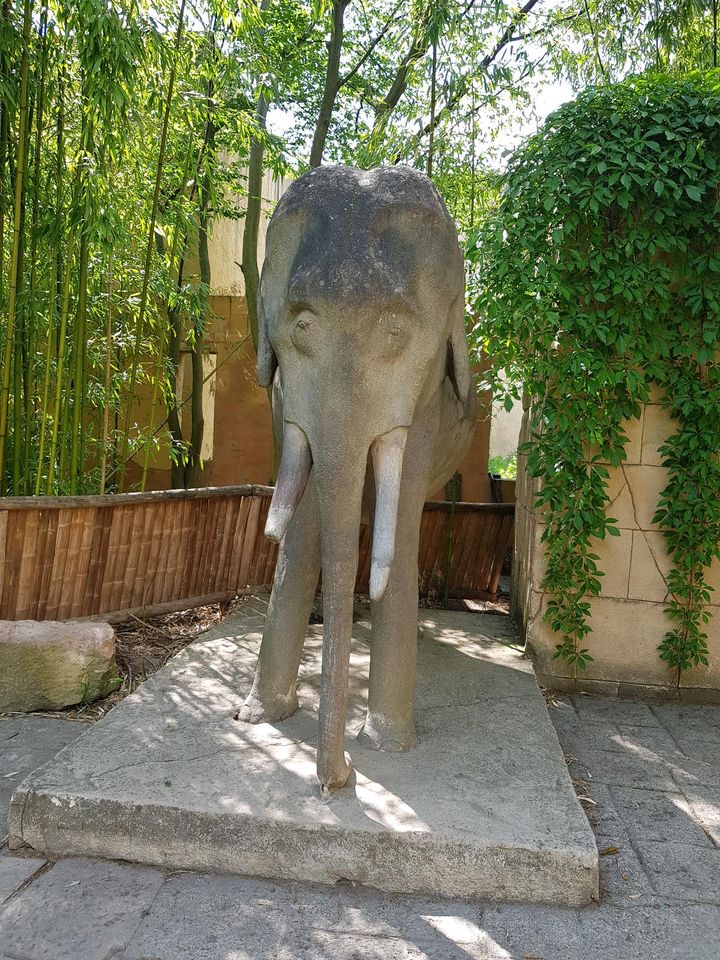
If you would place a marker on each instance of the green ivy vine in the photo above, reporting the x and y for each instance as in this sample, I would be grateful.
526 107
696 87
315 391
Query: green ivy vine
597 281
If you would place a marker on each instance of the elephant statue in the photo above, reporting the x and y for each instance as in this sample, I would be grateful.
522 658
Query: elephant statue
362 337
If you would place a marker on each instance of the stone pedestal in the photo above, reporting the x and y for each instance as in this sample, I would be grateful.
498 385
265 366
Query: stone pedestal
482 807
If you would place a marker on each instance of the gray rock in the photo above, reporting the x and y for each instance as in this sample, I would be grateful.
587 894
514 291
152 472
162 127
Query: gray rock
53 664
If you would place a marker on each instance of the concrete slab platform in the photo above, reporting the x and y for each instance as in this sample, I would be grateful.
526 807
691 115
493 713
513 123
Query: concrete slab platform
483 807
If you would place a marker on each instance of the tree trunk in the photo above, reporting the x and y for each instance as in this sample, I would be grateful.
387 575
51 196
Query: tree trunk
253 211
332 83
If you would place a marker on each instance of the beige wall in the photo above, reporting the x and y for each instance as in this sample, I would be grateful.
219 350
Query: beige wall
225 242
627 619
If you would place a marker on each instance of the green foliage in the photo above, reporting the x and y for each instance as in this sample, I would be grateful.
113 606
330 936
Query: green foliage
608 39
505 467
598 281
126 131
99 250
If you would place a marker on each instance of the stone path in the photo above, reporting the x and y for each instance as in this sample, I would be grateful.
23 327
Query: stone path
653 772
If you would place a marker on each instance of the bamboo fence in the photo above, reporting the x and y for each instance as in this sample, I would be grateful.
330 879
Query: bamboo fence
106 557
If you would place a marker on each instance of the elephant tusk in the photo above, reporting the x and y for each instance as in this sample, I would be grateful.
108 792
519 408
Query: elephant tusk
387 457
295 466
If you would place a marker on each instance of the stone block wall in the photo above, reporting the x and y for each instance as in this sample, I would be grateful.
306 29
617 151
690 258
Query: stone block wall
627 619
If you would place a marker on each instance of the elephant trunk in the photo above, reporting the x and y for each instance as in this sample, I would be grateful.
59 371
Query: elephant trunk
295 466
339 476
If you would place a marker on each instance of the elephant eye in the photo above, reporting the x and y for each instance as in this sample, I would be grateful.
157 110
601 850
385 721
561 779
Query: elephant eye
302 331
303 318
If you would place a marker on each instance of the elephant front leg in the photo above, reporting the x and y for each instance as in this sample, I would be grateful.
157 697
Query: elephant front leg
389 724
274 695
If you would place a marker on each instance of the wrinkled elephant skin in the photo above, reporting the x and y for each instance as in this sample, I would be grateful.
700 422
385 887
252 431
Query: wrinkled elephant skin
361 334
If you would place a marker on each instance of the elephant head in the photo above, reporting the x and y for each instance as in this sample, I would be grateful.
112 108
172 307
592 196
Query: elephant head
361 317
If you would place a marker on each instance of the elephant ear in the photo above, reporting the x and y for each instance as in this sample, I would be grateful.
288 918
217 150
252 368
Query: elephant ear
266 359
457 367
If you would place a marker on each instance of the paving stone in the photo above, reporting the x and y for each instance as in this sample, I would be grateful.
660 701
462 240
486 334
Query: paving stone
705 805
14 871
682 872
625 768
605 933
228 904
690 773
78 910
26 743
652 744
351 910
682 718
580 740
606 822
703 751
658 816
320 945
196 917
602 709
623 879
655 744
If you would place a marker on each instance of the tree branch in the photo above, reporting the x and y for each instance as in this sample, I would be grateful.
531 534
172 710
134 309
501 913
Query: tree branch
461 86
332 83
368 52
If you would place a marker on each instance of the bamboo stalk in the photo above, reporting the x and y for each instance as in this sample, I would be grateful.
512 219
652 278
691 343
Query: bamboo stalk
79 372
107 374
51 346
4 124
172 321
65 309
15 254
30 398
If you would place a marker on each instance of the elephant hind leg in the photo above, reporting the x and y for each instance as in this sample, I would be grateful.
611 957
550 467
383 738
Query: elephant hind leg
274 696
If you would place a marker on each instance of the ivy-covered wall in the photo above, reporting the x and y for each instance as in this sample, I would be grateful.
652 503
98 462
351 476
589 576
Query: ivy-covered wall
627 619
597 284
